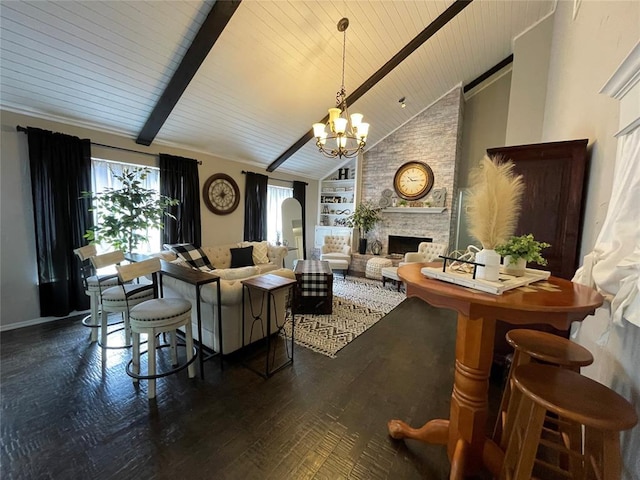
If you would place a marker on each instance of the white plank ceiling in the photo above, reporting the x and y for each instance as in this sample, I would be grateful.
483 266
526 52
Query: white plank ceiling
272 73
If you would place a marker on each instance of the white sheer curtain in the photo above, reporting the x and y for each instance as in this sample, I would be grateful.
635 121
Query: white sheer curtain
613 267
612 334
275 196
102 176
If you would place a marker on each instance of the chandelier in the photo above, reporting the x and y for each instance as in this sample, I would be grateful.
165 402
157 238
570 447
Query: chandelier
348 131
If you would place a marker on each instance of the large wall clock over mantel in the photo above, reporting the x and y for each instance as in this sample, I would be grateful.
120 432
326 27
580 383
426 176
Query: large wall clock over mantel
413 180
221 194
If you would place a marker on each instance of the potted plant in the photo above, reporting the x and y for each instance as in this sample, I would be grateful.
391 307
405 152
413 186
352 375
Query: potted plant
127 212
365 216
517 251
494 203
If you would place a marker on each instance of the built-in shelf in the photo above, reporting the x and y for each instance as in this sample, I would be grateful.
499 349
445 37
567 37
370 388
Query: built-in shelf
414 209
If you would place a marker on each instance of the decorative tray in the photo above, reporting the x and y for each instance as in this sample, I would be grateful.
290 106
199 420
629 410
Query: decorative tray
505 282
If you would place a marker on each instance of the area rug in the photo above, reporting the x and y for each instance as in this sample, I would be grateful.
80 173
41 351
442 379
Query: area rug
357 305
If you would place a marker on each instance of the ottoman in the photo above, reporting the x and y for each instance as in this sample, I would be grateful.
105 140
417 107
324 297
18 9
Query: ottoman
337 264
375 266
314 290
391 273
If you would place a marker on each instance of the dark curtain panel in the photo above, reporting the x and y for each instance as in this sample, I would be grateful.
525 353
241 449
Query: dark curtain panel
60 171
179 179
300 194
255 207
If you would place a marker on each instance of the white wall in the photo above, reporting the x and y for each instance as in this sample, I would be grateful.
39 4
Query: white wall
484 124
531 52
19 304
584 54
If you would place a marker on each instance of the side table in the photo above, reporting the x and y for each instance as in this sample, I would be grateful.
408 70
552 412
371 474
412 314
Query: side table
197 279
267 285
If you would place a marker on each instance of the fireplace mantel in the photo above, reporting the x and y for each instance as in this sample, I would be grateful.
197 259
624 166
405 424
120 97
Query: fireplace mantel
414 210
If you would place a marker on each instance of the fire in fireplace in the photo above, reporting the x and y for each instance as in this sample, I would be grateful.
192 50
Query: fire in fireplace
399 244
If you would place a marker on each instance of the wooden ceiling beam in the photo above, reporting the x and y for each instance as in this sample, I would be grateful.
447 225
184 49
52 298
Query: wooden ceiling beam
203 42
445 17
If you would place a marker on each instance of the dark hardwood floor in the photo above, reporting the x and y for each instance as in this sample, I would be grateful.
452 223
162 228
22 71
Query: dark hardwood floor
64 416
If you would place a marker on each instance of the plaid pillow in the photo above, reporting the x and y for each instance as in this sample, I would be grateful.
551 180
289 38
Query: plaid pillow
194 256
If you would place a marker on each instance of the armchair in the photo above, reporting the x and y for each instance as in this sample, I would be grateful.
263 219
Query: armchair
427 252
337 251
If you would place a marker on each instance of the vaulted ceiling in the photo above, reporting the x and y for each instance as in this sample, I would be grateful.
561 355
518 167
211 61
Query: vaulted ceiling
273 70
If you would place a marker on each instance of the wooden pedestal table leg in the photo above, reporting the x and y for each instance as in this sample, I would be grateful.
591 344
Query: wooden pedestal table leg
469 400
434 431
464 432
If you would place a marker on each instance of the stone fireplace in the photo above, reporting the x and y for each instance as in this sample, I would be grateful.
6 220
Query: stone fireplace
433 136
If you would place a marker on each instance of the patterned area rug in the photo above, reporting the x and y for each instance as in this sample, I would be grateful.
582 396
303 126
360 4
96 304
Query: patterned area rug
358 304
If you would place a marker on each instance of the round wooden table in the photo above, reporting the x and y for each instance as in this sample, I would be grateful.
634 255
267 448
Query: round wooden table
556 301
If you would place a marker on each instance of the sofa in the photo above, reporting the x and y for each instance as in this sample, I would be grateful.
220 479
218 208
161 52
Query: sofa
220 257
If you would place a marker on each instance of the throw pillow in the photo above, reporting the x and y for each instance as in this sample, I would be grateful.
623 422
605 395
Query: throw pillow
239 273
242 257
260 251
194 256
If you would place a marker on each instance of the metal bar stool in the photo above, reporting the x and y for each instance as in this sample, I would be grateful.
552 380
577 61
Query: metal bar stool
536 346
153 317
572 398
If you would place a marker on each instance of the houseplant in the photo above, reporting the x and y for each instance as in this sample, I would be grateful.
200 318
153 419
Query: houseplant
365 216
517 251
124 214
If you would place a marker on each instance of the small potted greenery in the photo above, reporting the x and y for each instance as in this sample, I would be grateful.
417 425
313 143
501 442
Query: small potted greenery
365 216
517 251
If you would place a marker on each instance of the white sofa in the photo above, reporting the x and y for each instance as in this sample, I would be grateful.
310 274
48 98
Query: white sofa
231 296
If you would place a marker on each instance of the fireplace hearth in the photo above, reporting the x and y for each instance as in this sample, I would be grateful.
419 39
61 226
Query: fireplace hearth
399 244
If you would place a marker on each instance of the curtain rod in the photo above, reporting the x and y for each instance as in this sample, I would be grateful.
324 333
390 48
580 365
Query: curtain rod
244 172
24 130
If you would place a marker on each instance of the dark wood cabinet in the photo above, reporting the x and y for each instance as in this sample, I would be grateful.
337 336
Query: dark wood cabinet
554 176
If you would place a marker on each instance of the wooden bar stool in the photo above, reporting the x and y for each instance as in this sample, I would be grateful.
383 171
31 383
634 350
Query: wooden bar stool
92 287
154 317
573 398
535 346
115 299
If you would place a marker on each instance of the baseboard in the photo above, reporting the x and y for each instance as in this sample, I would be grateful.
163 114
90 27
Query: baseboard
38 321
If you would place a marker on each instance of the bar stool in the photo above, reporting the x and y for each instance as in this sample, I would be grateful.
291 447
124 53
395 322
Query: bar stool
575 399
153 317
114 299
535 346
92 288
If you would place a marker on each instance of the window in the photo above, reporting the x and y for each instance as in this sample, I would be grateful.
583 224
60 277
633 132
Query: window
275 196
102 176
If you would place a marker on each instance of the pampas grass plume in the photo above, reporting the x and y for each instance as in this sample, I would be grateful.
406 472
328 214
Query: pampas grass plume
495 200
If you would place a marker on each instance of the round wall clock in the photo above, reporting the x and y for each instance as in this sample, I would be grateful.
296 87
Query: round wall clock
221 194
413 180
